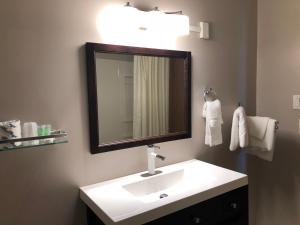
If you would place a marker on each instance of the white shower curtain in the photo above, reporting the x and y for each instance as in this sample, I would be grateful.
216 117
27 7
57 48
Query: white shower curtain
151 96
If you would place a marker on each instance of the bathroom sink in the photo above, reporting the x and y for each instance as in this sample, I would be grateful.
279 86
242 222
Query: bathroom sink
165 185
156 187
136 199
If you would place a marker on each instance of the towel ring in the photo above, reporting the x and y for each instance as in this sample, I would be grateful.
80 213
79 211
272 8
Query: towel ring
209 94
276 125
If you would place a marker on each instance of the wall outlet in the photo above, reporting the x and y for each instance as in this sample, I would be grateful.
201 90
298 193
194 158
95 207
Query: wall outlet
296 101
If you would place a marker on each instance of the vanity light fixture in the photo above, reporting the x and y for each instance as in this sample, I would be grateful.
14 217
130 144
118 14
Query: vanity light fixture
155 22
168 23
127 25
178 23
117 23
127 4
128 18
164 23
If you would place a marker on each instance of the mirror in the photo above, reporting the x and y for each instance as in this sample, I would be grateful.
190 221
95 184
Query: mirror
137 96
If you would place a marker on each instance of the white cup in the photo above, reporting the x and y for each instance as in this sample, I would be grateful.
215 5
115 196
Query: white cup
30 129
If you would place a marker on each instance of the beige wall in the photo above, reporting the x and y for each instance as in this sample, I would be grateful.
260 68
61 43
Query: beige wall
43 79
278 183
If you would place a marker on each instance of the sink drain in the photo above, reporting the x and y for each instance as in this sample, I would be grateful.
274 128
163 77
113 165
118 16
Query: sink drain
163 196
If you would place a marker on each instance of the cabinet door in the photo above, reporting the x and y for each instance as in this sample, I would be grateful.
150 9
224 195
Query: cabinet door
228 209
204 213
234 206
172 219
201 214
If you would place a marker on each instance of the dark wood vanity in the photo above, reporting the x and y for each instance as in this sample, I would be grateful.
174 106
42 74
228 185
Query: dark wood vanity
230 208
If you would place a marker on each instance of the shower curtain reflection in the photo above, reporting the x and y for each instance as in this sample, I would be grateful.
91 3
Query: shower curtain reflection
151 96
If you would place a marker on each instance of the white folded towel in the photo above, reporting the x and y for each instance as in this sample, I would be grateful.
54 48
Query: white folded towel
258 126
213 129
262 137
239 130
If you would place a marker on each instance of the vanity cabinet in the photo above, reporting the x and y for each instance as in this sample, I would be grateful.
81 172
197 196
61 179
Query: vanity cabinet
230 208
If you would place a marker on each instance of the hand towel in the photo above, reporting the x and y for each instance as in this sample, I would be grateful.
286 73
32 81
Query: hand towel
261 147
239 130
257 126
266 143
213 129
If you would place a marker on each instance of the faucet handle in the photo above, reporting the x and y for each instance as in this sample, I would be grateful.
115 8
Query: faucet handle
160 157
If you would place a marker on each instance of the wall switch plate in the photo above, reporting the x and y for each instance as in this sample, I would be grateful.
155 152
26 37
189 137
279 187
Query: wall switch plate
296 101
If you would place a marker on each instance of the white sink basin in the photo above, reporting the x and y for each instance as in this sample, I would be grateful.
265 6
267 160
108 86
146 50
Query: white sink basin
165 185
136 200
151 189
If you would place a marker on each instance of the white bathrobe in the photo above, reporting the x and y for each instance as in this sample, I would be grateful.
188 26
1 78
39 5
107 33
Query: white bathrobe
239 130
213 129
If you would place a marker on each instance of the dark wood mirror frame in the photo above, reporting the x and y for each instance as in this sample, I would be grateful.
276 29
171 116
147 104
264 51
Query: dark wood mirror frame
91 50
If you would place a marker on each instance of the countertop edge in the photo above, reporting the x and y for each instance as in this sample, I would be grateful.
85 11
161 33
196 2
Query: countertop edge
96 209
183 203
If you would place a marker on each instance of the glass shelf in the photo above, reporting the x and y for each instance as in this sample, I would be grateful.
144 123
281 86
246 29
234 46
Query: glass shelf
10 144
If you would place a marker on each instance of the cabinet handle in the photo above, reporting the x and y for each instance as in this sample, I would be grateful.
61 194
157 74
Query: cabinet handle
196 220
234 205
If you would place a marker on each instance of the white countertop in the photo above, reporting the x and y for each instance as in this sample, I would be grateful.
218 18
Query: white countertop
113 202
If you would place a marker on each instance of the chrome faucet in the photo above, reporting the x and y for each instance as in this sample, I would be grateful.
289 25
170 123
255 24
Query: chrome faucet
151 158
